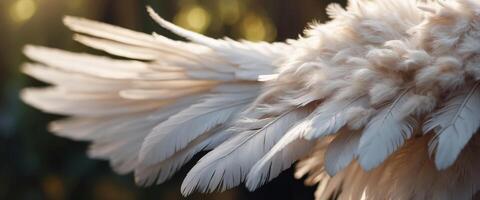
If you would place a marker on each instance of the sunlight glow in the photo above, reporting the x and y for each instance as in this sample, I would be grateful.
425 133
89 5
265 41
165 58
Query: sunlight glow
22 10
193 17
257 28
230 11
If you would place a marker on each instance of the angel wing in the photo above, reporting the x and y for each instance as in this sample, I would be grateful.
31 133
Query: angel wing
363 101
152 111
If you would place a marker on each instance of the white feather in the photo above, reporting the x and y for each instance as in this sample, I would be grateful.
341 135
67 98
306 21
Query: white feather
118 139
96 66
228 164
162 94
180 129
341 151
95 128
373 50
102 30
286 151
119 49
257 58
172 52
454 124
330 117
75 82
163 170
56 100
385 133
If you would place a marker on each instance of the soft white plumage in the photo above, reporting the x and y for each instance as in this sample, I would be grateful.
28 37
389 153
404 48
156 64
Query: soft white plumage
382 102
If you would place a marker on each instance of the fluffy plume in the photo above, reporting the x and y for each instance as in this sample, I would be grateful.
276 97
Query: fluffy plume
381 102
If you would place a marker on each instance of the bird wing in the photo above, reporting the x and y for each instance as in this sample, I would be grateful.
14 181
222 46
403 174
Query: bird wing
155 105
353 92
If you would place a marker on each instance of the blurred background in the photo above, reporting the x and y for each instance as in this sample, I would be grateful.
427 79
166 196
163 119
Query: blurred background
37 165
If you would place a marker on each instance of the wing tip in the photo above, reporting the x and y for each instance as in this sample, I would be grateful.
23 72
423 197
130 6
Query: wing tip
29 49
29 96
154 15
252 182
148 154
70 21
188 185
28 68
144 155
190 35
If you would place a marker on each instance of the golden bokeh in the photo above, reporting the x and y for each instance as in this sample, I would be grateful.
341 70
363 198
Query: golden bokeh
22 10
76 4
193 17
230 11
255 27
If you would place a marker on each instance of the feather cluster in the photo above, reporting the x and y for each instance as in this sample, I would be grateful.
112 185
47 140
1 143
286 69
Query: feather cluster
381 102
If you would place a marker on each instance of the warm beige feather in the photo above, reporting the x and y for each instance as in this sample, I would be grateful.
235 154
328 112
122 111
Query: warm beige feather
382 102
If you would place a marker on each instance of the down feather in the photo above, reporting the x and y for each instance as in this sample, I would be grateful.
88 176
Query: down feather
381 102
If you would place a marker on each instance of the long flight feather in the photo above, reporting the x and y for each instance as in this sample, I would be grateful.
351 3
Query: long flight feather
180 129
228 164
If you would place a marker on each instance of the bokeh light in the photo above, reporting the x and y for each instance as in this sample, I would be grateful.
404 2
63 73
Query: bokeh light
75 4
193 17
255 27
22 10
230 11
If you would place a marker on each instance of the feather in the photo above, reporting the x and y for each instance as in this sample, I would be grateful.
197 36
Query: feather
121 152
385 133
85 63
111 32
173 52
454 125
85 83
55 100
119 49
163 170
98 66
177 58
341 151
99 128
228 164
180 129
286 151
332 188
161 94
313 164
118 139
91 128
73 81
332 116
260 58
250 102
